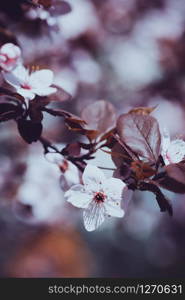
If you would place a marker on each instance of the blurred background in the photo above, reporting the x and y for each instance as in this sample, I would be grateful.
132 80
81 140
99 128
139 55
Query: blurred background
128 52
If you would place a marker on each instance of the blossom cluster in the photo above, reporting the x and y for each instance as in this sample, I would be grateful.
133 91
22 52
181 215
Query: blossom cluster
101 197
145 158
28 84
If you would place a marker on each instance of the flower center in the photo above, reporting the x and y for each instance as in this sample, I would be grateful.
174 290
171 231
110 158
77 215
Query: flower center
7 60
26 86
99 197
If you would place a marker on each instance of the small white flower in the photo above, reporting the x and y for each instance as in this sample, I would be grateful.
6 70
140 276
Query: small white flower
70 173
100 197
172 151
10 56
28 85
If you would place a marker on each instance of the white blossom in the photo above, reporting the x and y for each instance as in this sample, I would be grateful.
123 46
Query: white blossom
10 56
172 151
70 176
30 84
39 199
70 173
100 197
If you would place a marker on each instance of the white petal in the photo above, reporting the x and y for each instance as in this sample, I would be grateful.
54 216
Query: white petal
26 93
165 140
7 67
70 176
41 78
77 196
54 158
166 159
10 50
176 151
21 73
92 177
94 216
44 91
113 188
17 77
11 79
113 209
2 58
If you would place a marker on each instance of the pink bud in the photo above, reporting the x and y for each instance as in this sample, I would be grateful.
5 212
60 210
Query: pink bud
10 55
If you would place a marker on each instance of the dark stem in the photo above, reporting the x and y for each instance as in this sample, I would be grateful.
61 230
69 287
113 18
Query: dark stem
77 161
161 200
103 168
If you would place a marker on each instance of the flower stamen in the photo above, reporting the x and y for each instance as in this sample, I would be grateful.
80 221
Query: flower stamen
26 86
99 197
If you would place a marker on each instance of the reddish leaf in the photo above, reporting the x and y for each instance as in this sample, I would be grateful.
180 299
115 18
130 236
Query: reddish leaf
108 135
61 95
72 149
74 125
65 114
29 130
73 122
119 155
60 8
173 178
45 3
142 170
99 116
141 133
6 92
9 111
34 110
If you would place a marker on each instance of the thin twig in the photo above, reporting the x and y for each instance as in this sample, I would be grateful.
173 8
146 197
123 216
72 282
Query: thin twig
109 169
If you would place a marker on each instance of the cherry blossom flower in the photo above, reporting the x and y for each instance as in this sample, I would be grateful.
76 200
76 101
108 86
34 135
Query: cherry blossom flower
10 56
28 85
100 197
70 173
172 151
39 201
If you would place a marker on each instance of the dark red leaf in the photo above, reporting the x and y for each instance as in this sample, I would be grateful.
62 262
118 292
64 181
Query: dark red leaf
35 108
65 114
61 95
123 172
100 117
29 130
173 178
72 149
45 3
9 111
73 122
59 8
6 92
141 133
142 170
119 155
